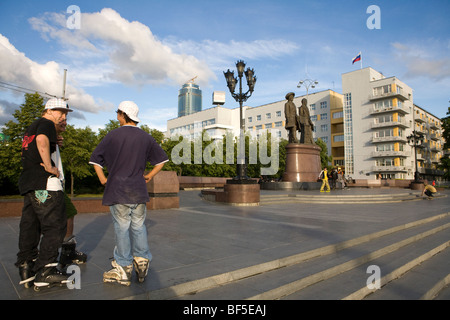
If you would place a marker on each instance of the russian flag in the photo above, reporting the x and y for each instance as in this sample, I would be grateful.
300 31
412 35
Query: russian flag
357 58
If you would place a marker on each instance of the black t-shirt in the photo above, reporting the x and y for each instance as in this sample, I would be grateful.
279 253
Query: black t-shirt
34 176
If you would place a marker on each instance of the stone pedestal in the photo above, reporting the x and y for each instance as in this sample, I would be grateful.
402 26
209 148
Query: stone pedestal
242 193
302 163
235 193
417 185
163 191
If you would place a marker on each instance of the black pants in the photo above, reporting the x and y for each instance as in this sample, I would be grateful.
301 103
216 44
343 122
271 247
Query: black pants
429 193
46 217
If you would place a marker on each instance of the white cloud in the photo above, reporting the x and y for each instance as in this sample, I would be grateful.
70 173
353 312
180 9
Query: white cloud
428 60
218 53
20 70
130 53
134 55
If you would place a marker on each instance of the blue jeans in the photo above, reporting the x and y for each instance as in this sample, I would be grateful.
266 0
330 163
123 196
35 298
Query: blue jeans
131 233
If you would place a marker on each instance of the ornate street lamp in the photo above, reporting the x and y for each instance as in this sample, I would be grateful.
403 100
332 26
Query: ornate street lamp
307 83
240 97
415 140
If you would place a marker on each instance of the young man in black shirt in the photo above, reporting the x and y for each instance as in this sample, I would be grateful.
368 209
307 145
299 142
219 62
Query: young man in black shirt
43 212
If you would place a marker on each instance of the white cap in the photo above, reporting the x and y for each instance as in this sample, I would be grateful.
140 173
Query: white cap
57 104
131 110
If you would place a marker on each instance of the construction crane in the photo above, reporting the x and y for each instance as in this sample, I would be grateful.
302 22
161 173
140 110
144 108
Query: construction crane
191 80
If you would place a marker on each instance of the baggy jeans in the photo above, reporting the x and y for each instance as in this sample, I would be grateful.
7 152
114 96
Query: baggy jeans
131 233
42 214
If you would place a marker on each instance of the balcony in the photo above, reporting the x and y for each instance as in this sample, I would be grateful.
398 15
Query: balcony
402 110
434 125
434 136
400 94
419 119
383 154
390 169
401 123
388 139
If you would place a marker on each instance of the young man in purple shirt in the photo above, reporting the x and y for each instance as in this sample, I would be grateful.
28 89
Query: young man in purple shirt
125 152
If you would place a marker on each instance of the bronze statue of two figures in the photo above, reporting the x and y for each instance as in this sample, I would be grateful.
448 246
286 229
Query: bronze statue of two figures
298 122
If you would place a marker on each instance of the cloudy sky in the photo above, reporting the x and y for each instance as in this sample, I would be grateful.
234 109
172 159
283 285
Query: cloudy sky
145 50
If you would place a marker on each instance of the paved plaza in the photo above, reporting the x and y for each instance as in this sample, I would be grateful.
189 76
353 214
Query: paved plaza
203 239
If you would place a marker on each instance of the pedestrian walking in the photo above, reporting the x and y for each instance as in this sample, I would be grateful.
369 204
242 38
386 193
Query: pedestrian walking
125 151
324 176
340 178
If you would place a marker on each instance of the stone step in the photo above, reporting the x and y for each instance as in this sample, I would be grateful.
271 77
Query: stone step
330 198
267 280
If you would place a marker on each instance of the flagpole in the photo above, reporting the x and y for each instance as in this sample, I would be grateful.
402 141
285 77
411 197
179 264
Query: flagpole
361 62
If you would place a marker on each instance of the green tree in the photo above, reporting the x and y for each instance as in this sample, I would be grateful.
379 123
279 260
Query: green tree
445 160
10 151
325 159
76 151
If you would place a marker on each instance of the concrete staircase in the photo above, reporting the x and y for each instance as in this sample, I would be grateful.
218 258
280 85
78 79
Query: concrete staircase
331 198
412 260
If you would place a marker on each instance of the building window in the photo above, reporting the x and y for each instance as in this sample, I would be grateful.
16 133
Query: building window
384 119
314 118
323 116
348 133
382 90
268 115
250 119
383 104
324 128
278 113
258 117
312 106
278 124
338 115
323 105
338 138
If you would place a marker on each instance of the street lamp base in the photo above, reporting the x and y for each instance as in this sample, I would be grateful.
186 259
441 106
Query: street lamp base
416 185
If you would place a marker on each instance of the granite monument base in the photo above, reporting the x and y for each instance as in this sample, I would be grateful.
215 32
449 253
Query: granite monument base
163 191
235 193
417 185
302 163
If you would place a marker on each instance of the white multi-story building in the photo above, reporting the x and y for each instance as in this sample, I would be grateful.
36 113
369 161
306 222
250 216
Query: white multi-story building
379 116
324 106
366 128
217 121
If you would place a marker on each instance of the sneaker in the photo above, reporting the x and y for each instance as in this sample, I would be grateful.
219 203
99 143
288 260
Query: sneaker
26 273
141 267
118 274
